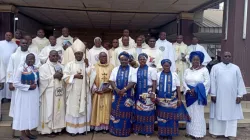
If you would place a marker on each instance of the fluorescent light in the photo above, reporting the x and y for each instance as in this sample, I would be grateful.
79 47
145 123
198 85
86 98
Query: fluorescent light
16 18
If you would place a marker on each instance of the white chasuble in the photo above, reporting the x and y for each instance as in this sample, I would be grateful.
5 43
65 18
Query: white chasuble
52 99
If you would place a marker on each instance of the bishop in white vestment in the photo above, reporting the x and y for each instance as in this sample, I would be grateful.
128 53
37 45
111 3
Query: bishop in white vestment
126 33
93 54
125 46
52 96
197 47
44 55
227 90
7 47
167 49
14 63
40 41
76 76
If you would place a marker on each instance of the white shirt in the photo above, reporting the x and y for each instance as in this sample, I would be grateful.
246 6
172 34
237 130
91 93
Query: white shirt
131 76
131 42
168 51
44 55
175 81
152 75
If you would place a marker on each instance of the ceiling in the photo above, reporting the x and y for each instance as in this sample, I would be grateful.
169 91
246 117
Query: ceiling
111 14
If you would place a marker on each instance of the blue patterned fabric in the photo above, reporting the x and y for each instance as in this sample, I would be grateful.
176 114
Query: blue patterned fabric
168 113
122 107
200 95
144 111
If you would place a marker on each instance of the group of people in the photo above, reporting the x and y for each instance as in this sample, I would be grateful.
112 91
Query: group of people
59 83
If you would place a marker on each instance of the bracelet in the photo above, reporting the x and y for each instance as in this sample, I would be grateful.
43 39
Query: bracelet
125 88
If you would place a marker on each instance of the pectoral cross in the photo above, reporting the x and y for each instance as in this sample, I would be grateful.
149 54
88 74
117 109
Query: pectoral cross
104 76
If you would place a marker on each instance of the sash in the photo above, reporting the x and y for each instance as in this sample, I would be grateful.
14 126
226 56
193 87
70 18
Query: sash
201 96
168 91
142 81
122 78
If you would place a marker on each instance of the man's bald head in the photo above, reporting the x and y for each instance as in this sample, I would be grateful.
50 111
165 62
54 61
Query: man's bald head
227 58
103 57
8 36
53 56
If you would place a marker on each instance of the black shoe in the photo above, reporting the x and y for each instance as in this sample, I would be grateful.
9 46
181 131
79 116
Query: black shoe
72 135
32 137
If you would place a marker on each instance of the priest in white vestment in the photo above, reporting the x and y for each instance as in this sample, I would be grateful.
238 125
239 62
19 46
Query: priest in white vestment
227 90
154 54
14 63
126 33
76 75
167 49
93 54
40 41
52 96
27 98
17 37
180 57
115 45
197 47
44 55
32 47
7 47
124 46
66 41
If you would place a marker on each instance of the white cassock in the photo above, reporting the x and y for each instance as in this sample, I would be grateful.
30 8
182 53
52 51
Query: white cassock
181 66
197 126
26 102
77 91
40 42
93 54
34 48
52 99
154 57
2 79
112 56
14 63
7 48
131 42
226 84
200 48
44 55
60 40
168 51
129 49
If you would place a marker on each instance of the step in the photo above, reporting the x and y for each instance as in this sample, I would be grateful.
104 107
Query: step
5 115
6 129
241 123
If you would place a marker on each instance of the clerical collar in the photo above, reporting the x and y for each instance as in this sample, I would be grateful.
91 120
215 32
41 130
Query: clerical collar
79 62
153 48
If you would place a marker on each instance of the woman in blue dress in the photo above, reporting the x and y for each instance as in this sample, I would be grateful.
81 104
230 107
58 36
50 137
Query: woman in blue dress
170 110
144 114
122 80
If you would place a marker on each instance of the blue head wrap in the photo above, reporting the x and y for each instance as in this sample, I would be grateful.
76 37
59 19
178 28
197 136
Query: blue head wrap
144 55
197 53
166 60
124 54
